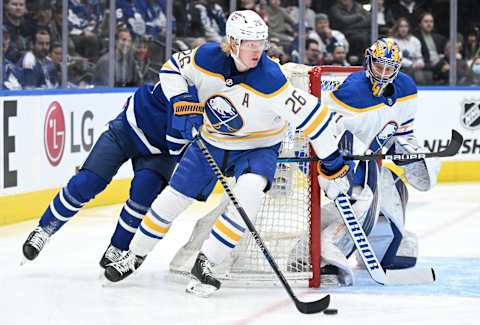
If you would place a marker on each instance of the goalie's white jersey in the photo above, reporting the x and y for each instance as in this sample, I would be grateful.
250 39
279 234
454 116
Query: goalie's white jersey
365 115
245 110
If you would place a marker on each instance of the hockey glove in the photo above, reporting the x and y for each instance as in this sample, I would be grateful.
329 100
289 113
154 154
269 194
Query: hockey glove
335 175
187 115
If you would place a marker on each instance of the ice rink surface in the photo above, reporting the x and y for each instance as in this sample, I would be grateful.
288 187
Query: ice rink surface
64 284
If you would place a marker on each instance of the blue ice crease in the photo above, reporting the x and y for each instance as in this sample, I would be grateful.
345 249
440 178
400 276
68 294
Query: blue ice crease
455 276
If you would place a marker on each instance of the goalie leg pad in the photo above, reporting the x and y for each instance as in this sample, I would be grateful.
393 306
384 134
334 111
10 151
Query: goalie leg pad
229 228
156 223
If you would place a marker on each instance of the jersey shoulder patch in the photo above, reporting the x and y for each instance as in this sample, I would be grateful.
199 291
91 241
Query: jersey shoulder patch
355 93
404 85
267 78
210 58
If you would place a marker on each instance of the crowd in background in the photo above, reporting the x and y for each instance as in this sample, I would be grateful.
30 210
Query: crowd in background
336 33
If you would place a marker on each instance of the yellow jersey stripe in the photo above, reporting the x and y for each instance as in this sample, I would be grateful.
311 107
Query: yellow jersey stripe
317 121
271 133
152 225
367 109
229 233
167 66
247 87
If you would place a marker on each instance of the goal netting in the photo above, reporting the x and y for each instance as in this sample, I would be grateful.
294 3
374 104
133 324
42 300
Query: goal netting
289 219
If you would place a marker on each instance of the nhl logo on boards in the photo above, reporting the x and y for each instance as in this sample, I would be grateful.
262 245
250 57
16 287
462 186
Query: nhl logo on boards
222 115
470 114
54 133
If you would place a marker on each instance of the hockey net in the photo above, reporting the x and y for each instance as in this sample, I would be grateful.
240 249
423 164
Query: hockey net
289 219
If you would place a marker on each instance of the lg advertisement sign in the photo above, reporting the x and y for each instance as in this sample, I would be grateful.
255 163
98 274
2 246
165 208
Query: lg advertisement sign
54 133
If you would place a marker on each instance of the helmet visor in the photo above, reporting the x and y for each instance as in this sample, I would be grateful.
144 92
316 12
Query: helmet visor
254 45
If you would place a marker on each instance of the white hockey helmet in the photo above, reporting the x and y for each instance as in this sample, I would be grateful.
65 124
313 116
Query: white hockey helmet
246 25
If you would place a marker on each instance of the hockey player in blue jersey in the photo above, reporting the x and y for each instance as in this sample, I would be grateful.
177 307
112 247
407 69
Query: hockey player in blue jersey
142 133
246 105
376 108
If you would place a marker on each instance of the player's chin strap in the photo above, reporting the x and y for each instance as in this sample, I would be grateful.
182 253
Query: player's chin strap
241 66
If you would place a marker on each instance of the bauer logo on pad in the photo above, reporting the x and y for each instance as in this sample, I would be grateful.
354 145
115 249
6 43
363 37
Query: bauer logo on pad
222 115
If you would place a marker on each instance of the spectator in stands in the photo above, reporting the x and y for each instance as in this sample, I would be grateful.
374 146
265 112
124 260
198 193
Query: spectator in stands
339 56
441 70
128 14
42 17
433 44
313 56
412 59
280 24
410 9
125 73
471 45
154 16
19 28
309 14
208 20
56 57
83 20
11 74
475 68
251 5
38 70
146 70
349 17
385 19
325 36
276 51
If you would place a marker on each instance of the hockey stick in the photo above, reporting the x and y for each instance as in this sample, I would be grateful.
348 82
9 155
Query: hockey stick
451 150
304 307
391 277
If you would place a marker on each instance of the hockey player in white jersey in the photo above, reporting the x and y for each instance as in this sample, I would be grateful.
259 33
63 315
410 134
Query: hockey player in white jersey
245 106
376 104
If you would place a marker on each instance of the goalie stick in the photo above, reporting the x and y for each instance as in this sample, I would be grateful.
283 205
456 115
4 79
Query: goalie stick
452 149
304 307
391 277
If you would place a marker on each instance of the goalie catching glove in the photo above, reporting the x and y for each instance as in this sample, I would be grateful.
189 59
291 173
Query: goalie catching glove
187 114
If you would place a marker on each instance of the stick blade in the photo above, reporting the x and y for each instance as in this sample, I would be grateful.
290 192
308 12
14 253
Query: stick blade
411 276
313 307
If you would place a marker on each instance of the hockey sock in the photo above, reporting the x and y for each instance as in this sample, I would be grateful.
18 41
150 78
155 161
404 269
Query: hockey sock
224 236
80 189
229 228
146 185
156 223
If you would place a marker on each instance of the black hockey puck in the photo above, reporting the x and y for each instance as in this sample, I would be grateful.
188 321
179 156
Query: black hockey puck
330 311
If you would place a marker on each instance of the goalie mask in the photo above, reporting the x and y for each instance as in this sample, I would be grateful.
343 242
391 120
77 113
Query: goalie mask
382 64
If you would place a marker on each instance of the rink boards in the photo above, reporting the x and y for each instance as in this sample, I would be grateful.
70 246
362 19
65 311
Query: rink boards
46 135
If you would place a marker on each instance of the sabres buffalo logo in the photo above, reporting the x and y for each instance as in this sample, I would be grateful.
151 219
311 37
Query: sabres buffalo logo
222 115
470 114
